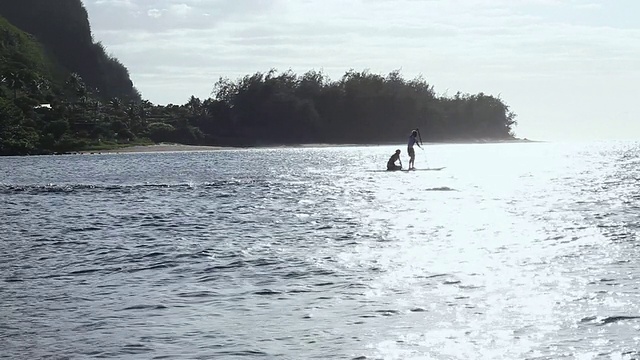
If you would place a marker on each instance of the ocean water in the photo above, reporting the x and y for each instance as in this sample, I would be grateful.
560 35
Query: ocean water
513 251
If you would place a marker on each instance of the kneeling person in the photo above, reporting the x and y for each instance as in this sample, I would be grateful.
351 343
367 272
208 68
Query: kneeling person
391 164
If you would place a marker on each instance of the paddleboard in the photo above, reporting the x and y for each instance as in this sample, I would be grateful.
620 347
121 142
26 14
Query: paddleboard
407 170
427 169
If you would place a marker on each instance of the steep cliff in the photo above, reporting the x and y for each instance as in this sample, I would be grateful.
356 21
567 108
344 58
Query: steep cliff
63 28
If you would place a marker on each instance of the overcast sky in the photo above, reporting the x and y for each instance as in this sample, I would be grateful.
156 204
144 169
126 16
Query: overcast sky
568 68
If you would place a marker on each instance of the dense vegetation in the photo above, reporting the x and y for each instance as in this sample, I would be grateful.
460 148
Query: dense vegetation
91 103
361 107
62 27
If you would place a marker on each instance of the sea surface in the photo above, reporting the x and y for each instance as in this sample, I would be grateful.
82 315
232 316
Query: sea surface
513 251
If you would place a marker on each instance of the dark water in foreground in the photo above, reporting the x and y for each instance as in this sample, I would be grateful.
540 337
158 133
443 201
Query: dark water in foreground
514 251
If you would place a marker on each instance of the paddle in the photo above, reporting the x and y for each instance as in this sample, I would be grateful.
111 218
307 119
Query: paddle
421 148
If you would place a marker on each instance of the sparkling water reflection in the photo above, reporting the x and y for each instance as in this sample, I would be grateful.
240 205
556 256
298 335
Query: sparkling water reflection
513 251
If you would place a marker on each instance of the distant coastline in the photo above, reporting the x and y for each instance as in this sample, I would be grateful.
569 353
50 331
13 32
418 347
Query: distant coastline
174 147
57 106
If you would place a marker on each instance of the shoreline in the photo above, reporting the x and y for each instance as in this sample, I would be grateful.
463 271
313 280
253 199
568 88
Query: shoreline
162 147
172 147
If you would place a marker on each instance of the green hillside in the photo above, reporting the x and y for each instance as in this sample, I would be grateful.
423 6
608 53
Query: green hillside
62 27
24 68
21 53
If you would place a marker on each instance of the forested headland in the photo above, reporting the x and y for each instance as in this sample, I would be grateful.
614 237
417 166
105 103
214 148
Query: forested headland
60 91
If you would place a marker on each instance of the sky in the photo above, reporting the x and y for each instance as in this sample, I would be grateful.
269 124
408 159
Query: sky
569 69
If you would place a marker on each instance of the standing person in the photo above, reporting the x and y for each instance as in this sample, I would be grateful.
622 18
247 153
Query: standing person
391 164
412 153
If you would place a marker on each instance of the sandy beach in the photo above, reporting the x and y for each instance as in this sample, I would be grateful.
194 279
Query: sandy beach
156 148
166 147
169 147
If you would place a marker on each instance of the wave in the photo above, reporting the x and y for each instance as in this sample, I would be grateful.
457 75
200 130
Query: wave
608 320
442 188
35 189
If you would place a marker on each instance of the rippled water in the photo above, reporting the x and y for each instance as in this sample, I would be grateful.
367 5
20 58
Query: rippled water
513 251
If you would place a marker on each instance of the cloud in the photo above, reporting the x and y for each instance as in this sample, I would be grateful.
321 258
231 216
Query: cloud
154 13
534 52
176 14
115 3
182 10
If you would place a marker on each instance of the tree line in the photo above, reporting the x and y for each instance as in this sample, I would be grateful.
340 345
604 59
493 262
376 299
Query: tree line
259 109
360 107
